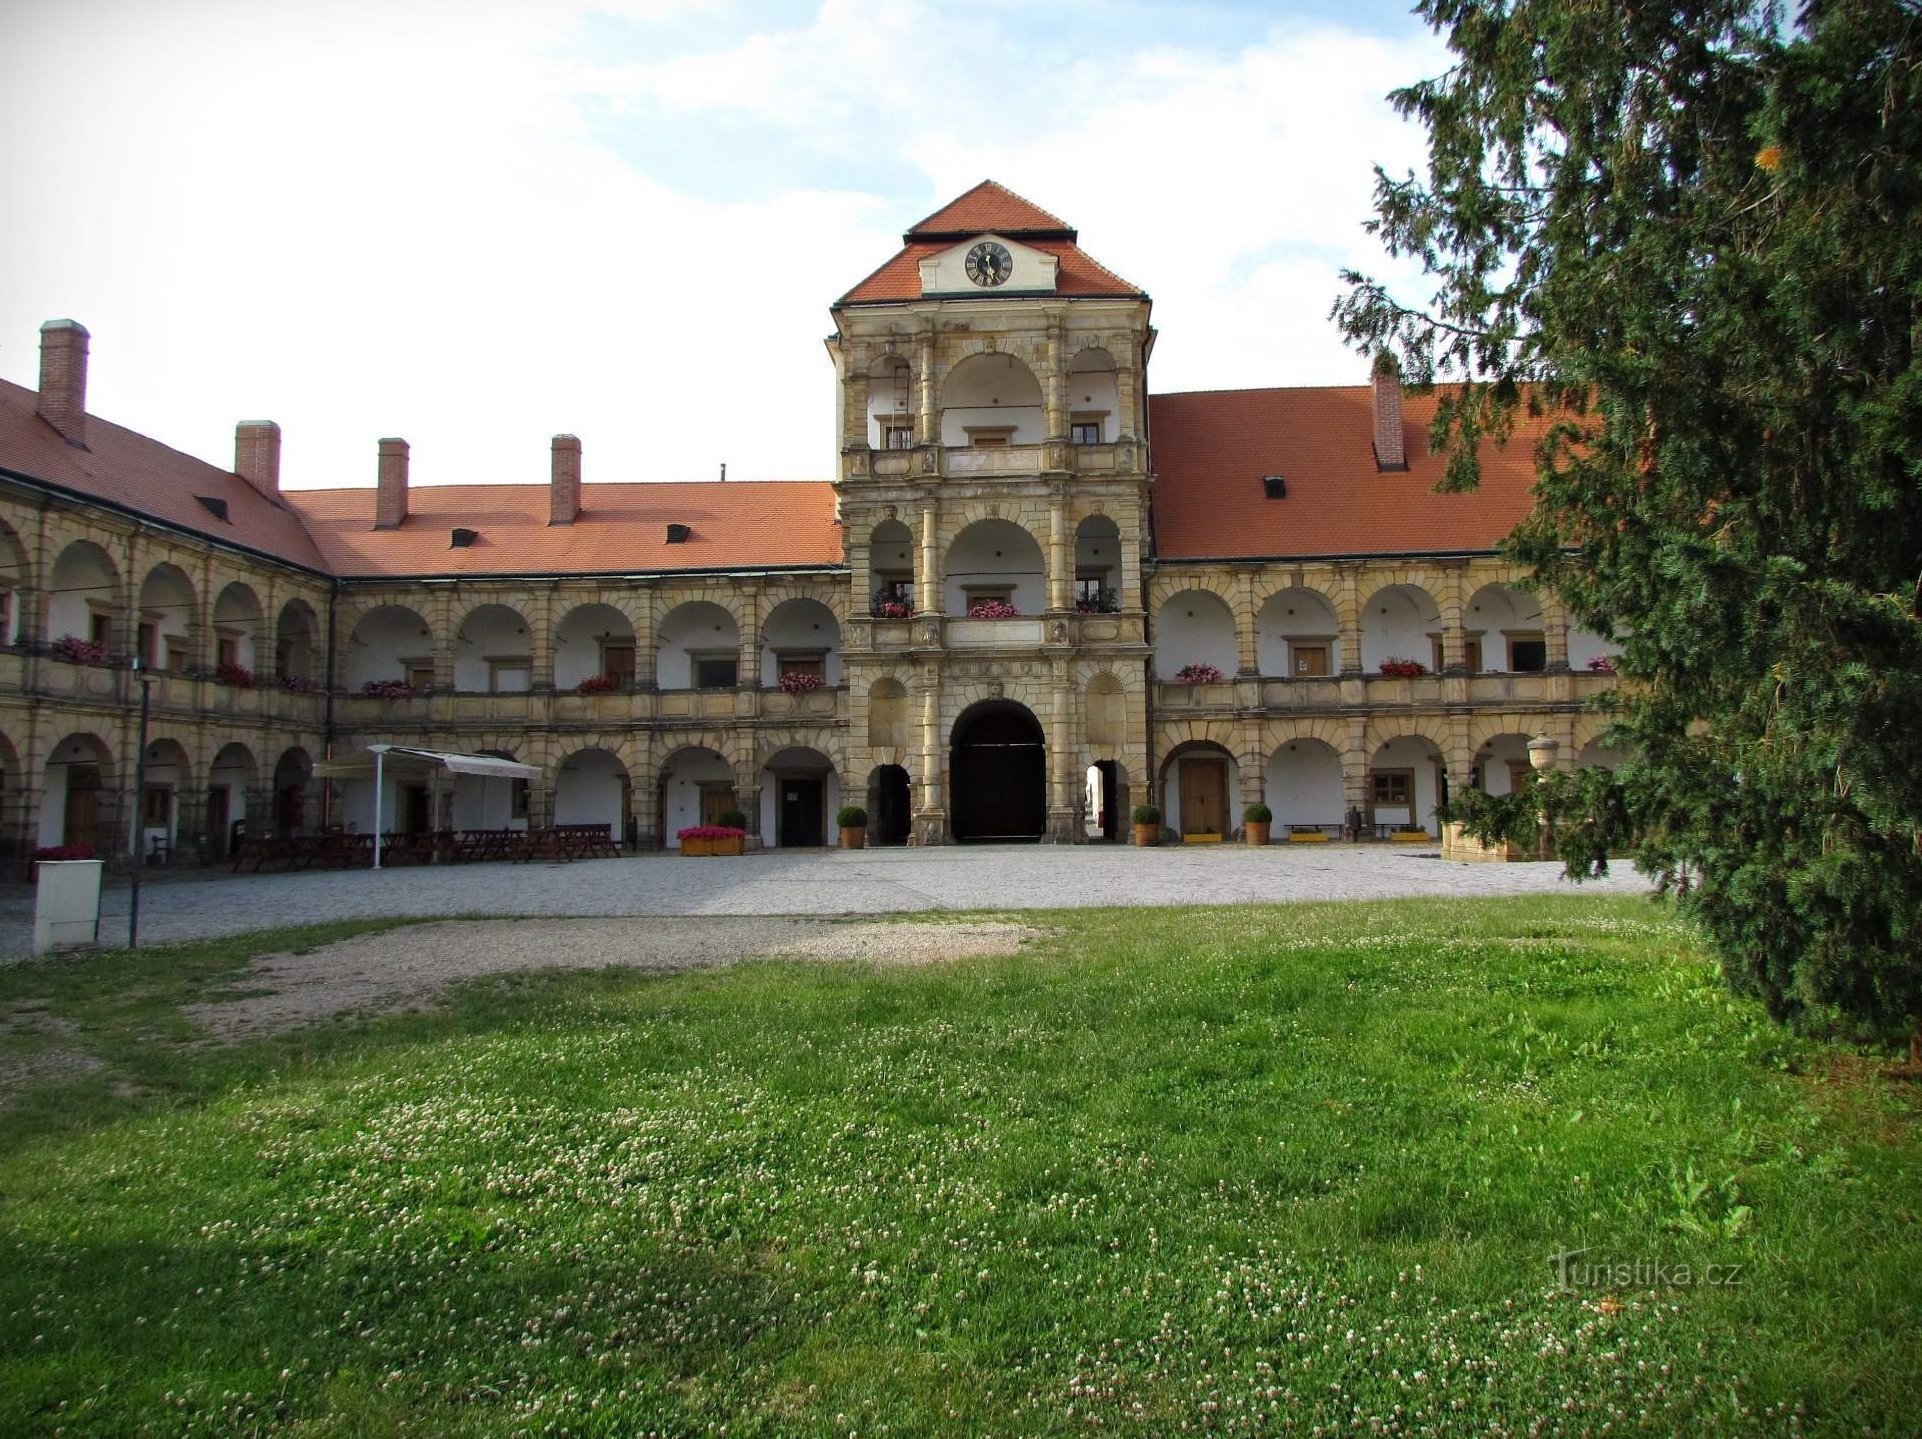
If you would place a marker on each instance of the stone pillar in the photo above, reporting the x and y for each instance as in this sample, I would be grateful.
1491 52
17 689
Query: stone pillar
540 640
930 819
928 422
1054 385
1354 770
644 615
1060 553
927 568
854 415
1454 633
440 618
1247 635
748 675
1348 618
1555 630
1063 805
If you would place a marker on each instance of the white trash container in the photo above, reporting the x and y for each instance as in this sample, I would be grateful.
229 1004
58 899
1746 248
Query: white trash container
66 903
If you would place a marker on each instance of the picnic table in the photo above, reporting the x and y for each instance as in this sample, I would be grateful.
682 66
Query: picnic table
340 850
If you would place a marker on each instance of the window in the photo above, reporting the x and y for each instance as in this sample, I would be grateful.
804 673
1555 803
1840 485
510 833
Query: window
715 670
418 673
1472 653
988 442
988 594
1308 661
1085 432
509 676
100 628
1436 662
1392 787
157 806
147 643
801 662
1527 654
227 650
617 662
176 652
898 437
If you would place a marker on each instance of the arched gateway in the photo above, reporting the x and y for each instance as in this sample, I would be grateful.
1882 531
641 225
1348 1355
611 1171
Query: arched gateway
998 774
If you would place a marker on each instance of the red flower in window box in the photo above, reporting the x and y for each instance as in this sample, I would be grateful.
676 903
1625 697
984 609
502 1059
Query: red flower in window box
239 676
1403 669
993 610
794 682
1198 675
1603 664
81 652
599 685
388 689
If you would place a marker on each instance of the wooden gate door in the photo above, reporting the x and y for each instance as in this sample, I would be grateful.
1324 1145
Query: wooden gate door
82 822
1204 796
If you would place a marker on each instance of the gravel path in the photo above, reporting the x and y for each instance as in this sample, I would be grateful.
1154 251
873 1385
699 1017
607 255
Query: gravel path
408 967
816 882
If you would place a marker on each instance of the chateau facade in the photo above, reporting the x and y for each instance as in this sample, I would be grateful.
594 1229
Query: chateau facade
1035 595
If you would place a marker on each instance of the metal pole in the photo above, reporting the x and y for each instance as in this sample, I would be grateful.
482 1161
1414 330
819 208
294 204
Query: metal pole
139 809
380 764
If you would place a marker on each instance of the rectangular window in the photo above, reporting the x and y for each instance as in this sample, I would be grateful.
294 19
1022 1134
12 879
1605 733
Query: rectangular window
1392 787
720 671
509 676
418 673
617 662
801 662
1085 432
100 628
1310 661
227 650
148 643
157 808
898 437
1435 659
176 653
1472 653
1527 654
989 442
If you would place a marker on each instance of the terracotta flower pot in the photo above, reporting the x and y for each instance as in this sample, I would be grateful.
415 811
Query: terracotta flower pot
1147 834
1255 831
854 837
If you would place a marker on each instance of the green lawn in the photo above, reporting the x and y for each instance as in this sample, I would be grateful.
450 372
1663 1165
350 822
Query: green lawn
1251 1170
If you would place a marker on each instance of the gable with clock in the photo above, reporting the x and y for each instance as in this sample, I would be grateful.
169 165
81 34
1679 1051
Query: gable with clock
989 265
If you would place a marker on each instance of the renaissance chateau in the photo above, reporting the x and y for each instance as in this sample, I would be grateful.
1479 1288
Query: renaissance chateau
1035 595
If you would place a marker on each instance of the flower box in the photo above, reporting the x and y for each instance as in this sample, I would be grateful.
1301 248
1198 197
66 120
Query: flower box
709 839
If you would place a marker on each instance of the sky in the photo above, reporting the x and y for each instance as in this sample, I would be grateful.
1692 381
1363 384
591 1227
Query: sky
475 224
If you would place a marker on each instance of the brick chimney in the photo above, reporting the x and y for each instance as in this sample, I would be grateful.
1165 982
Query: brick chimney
1391 444
63 379
257 455
390 504
564 491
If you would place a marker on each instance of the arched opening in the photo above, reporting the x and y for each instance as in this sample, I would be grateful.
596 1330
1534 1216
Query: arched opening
1501 765
594 642
1401 622
14 576
697 787
891 571
1094 400
802 638
995 561
77 794
493 653
164 639
890 805
700 648
997 774
292 773
1105 805
233 774
591 787
890 404
297 644
1199 783
1297 636
1303 786
991 401
167 779
1193 628
800 795
238 630
1502 631
390 645
83 594
1097 566
1406 784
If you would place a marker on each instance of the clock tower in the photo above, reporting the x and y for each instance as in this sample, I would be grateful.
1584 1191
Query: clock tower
993 491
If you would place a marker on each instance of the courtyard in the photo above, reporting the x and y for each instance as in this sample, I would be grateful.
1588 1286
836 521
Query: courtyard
811 882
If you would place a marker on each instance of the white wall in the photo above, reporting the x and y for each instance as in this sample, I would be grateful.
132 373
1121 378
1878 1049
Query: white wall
492 632
577 642
946 273
1396 624
1303 785
79 576
167 604
357 805
887 395
1096 549
587 790
1294 614
993 390
800 625
1495 758
686 773
1093 388
1492 612
303 638
996 552
1585 645
698 625
1194 627
1410 752
163 772
1171 789
382 639
239 616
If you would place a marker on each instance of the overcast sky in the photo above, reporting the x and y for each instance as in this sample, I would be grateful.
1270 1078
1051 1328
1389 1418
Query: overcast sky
475 224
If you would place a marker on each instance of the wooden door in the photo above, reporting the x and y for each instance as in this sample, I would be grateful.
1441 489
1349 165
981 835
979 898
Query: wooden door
800 812
414 808
219 802
1204 796
82 821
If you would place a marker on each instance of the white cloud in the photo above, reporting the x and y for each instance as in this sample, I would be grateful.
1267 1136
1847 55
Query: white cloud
379 219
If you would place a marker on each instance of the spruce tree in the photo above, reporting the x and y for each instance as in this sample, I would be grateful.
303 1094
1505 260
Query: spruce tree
1691 234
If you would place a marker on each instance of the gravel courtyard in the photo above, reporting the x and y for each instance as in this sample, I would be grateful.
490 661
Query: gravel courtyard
809 882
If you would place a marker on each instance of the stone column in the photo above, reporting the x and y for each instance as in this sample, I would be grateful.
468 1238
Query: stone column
643 614
928 422
1060 553
1054 385
1454 633
1555 630
748 667
930 819
440 618
927 568
540 640
1247 634
1348 618
1354 770
854 416
1063 807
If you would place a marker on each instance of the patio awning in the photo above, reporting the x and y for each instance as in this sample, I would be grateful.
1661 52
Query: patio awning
403 760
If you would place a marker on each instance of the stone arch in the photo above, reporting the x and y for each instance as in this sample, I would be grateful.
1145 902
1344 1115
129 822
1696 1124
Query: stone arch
1104 715
168 809
1098 563
1499 764
240 626
800 788
890 804
16 579
293 779
890 403
695 782
594 641
889 725
1194 626
1200 784
1408 779
389 643
995 558
493 650
233 780
80 795
997 773
1298 634
800 635
1596 753
84 596
1303 784
1400 621
167 619
1504 630
13 799
1093 397
699 646
297 644
991 397
592 785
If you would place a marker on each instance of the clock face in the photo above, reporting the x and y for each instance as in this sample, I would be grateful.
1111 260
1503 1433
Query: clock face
989 264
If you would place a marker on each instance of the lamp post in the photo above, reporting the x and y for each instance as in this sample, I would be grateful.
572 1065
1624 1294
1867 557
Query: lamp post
139 805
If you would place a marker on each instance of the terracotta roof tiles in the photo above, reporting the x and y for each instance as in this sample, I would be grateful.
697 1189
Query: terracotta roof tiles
989 206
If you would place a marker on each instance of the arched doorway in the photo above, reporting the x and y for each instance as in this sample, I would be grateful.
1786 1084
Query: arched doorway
998 785
889 805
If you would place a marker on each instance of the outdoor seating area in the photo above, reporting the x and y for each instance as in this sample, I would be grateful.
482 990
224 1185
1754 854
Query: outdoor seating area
561 843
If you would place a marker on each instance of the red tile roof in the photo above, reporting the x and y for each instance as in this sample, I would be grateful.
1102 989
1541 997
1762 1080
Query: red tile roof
134 472
1212 448
989 206
622 529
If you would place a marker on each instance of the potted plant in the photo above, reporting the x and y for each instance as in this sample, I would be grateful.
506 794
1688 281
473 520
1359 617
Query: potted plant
733 819
706 839
598 685
1399 668
853 822
237 675
993 610
1147 820
796 682
1198 675
1255 820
